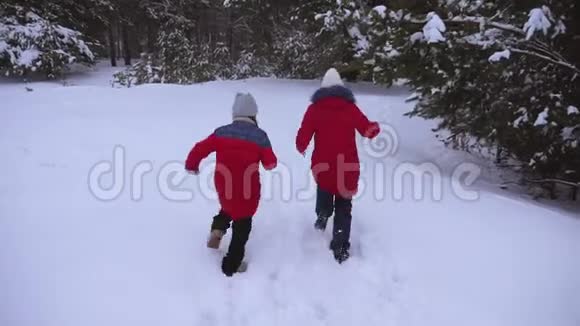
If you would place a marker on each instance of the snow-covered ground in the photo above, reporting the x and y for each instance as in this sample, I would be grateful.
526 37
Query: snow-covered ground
69 259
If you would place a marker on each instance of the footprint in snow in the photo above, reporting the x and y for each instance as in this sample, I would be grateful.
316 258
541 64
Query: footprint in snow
320 311
273 276
48 165
52 165
208 318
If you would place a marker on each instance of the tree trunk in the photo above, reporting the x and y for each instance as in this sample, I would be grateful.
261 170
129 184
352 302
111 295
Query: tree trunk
119 43
150 38
498 155
230 34
140 41
112 46
126 47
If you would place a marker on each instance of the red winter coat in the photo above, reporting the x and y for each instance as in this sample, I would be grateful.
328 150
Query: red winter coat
332 119
239 147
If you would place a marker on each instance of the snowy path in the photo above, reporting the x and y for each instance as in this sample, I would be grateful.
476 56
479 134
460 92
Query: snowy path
69 259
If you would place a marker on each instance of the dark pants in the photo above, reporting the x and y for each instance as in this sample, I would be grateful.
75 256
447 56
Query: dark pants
240 235
326 204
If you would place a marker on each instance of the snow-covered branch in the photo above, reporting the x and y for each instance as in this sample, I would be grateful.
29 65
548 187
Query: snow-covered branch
538 22
434 29
481 21
545 57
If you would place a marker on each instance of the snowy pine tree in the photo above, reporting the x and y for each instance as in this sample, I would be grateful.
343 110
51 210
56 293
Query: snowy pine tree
30 43
175 56
487 71
497 77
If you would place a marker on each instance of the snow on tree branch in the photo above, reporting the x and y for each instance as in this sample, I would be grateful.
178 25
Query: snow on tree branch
542 119
381 11
484 22
434 29
498 56
544 57
538 21
361 42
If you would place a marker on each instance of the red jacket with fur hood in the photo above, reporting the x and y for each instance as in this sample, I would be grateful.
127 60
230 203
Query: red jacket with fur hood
333 119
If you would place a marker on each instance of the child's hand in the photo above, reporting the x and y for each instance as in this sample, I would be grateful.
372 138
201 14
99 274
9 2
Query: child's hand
193 172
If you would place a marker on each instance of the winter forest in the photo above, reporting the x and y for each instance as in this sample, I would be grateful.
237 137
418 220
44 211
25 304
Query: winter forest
500 76
160 162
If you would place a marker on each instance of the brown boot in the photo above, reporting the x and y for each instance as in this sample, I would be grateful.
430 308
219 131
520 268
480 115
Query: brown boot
215 238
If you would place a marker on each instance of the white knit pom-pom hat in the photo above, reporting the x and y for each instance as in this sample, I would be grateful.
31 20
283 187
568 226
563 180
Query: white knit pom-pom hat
332 78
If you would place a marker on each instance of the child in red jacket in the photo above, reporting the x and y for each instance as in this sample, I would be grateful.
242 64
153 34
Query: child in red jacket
240 147
332 119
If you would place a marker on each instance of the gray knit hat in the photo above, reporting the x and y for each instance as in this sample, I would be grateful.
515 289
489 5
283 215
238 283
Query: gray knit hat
244 106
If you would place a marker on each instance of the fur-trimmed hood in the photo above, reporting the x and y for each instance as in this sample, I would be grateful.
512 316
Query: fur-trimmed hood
333 91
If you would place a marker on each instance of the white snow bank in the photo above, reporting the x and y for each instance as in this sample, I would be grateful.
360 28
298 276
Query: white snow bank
70 259
573 110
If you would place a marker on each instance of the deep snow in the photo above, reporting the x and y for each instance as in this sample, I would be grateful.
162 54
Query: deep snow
69 259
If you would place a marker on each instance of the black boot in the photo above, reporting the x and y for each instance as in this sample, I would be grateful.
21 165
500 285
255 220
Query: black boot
324 208
341 252
321 223
234 258
340 244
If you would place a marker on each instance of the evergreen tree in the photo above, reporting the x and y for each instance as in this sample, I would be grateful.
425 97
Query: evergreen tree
175 56
31 43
